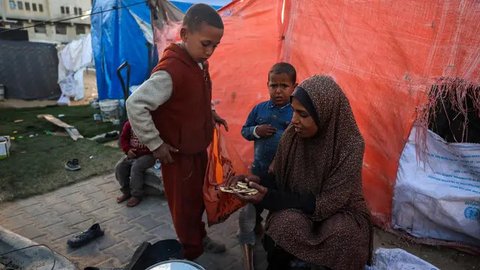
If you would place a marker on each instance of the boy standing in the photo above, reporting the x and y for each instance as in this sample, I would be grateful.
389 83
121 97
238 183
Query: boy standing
130 170
171 113
265 125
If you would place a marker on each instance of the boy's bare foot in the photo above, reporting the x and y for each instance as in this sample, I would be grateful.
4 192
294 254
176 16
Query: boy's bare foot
123 198
133 201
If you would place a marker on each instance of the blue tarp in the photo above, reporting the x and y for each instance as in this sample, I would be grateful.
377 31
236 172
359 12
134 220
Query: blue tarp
183 5
116 37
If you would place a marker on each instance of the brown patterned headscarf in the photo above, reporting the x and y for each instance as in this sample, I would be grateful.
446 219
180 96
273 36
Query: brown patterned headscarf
330 159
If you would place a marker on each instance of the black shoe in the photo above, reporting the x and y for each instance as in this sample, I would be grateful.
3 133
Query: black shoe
72 165
85 237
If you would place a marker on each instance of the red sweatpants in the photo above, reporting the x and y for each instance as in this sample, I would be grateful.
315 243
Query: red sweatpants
183 182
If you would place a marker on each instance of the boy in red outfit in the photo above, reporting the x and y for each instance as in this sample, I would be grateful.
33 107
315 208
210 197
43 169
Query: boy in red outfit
171 113
130 170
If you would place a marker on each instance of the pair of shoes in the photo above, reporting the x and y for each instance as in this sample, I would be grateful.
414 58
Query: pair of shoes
124 197
85 237
133 201
211 246
72 165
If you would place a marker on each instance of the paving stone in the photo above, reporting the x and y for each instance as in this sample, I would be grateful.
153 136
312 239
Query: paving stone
52 199
88 254
35 210
122 251
130 213
147 222
47 219
76 198
117 225
42 239
102 215
110 263
89 189
61 208
112 204
88 206
10 211
106 241
135 236
98 196
17 221
59 230
27 202
109 187
30 231
74 217
63 192
163 232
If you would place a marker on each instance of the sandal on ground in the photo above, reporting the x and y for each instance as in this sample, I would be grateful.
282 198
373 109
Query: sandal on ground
133 201
72 165
123 198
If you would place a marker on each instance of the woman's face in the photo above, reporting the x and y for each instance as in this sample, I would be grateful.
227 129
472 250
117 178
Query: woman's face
303 122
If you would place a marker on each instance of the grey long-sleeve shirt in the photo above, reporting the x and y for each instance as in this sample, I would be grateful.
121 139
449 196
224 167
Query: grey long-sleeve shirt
148 97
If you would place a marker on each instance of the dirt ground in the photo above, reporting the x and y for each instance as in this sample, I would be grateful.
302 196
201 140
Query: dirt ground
90 83
441 257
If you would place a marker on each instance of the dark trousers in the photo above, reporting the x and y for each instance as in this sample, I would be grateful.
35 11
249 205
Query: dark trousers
130 173
183 182
279 259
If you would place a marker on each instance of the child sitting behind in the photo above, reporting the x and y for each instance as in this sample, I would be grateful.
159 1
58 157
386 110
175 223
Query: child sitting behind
265 125
130 170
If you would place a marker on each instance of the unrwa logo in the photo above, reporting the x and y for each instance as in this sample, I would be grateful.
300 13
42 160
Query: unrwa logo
472 213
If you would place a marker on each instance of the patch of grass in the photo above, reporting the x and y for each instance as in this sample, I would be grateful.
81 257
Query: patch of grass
37 159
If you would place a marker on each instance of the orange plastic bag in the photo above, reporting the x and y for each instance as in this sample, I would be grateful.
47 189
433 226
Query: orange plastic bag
219 205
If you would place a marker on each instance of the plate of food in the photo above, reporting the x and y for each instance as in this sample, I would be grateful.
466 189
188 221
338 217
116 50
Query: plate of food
240 188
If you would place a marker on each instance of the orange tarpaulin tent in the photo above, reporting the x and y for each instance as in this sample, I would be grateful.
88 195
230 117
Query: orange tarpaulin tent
384 54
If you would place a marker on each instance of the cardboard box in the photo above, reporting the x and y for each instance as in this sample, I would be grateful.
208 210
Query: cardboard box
4 146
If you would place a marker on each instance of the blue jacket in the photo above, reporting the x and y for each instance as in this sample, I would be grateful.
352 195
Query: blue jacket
265 148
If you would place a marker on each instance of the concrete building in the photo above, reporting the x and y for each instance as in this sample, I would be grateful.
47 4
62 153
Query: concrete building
41 16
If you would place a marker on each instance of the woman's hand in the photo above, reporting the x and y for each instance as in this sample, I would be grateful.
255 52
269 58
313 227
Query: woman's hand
252 181
232 181
253 198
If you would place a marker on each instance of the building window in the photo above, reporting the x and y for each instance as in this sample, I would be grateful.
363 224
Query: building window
62 9
40 29
75 11
67 10
80 29
12 4
40 7
79 11
27 6
61 29
20 5
34 7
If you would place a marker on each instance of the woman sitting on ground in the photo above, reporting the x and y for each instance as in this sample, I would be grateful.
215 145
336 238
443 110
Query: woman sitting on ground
318 216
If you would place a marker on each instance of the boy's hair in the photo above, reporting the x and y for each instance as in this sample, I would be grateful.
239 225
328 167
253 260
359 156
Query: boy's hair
286 68
199 13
